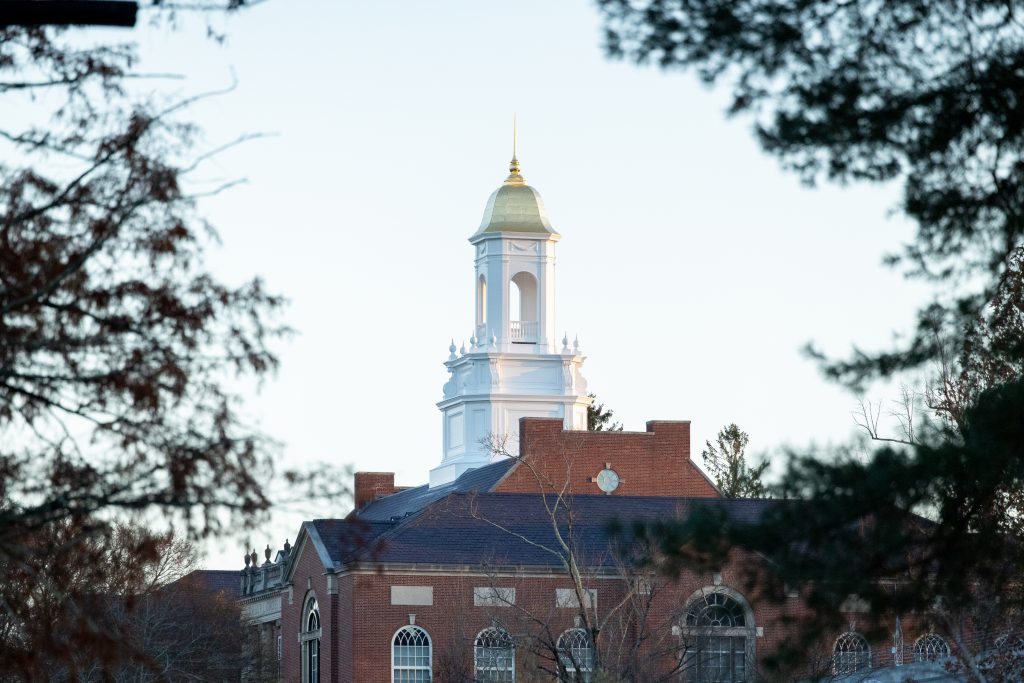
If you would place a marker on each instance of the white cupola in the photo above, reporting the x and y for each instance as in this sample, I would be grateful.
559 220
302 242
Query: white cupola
513 366
515 269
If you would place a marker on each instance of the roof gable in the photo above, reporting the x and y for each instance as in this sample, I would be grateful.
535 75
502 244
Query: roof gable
398 506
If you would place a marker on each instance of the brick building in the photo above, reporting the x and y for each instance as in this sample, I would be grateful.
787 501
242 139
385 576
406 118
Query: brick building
501 567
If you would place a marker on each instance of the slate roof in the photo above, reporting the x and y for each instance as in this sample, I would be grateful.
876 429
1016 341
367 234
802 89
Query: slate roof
227 581
345 538
399 505
490 528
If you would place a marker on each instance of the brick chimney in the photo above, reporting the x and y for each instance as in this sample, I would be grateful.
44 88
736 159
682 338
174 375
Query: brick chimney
371 485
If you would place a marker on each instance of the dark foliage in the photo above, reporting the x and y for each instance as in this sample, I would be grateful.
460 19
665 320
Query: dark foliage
933 527
117 346
925 93
727 465
599 418
133 589
906 531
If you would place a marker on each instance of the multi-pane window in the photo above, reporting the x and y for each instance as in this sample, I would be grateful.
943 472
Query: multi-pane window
311 643
930 647
494 657
576 652
1010 645
722 658
850 654
721 632
716 609
410 656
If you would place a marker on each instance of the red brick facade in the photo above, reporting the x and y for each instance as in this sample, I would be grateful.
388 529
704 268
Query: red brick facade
308 578
360 620
652 463
372 485
360 614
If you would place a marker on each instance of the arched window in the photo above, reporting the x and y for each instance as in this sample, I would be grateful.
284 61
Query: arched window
494 657
576 651
1010 646
481 301
850 654
411 659
723 636
522 308
930 647
310 639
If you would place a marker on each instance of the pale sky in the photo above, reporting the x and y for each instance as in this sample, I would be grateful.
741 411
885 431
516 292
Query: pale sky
691 266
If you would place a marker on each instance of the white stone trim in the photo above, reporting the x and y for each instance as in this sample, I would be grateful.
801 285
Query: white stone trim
412 595
494 596
566 597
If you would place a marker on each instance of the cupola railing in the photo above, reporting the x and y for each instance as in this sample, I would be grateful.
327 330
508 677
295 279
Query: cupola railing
523 331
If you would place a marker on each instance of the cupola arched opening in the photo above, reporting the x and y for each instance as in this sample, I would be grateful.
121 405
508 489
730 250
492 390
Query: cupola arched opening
481 301
523 308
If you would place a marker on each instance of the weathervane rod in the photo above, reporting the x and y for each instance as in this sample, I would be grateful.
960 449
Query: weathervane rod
514 178
514 148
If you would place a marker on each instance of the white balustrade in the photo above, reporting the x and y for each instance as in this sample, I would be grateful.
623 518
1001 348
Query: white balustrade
524 331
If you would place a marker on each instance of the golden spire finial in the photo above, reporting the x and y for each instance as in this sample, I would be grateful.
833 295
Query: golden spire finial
514 178
513 137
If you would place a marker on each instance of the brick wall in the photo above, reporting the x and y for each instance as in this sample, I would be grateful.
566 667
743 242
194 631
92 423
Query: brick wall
361 621
652 463
370 485
347 623
308 579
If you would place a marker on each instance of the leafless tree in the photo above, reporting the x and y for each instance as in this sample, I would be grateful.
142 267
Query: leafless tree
138 588
639 636
118 348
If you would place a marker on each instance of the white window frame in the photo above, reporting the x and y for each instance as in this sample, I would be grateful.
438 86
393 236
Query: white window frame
309 641
506 675
571 662
850 636
925 648
704 599
430 654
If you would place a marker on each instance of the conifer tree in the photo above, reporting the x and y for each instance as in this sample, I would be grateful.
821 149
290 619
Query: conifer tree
925 95
727 464
599 418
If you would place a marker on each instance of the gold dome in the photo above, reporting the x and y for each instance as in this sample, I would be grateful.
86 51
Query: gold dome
515 207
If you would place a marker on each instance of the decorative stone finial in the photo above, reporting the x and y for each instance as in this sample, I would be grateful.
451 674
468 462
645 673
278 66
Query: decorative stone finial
576 345
565 343
287 545
267 552
463 349
247 559
451 351
494 341
472 341
254 557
